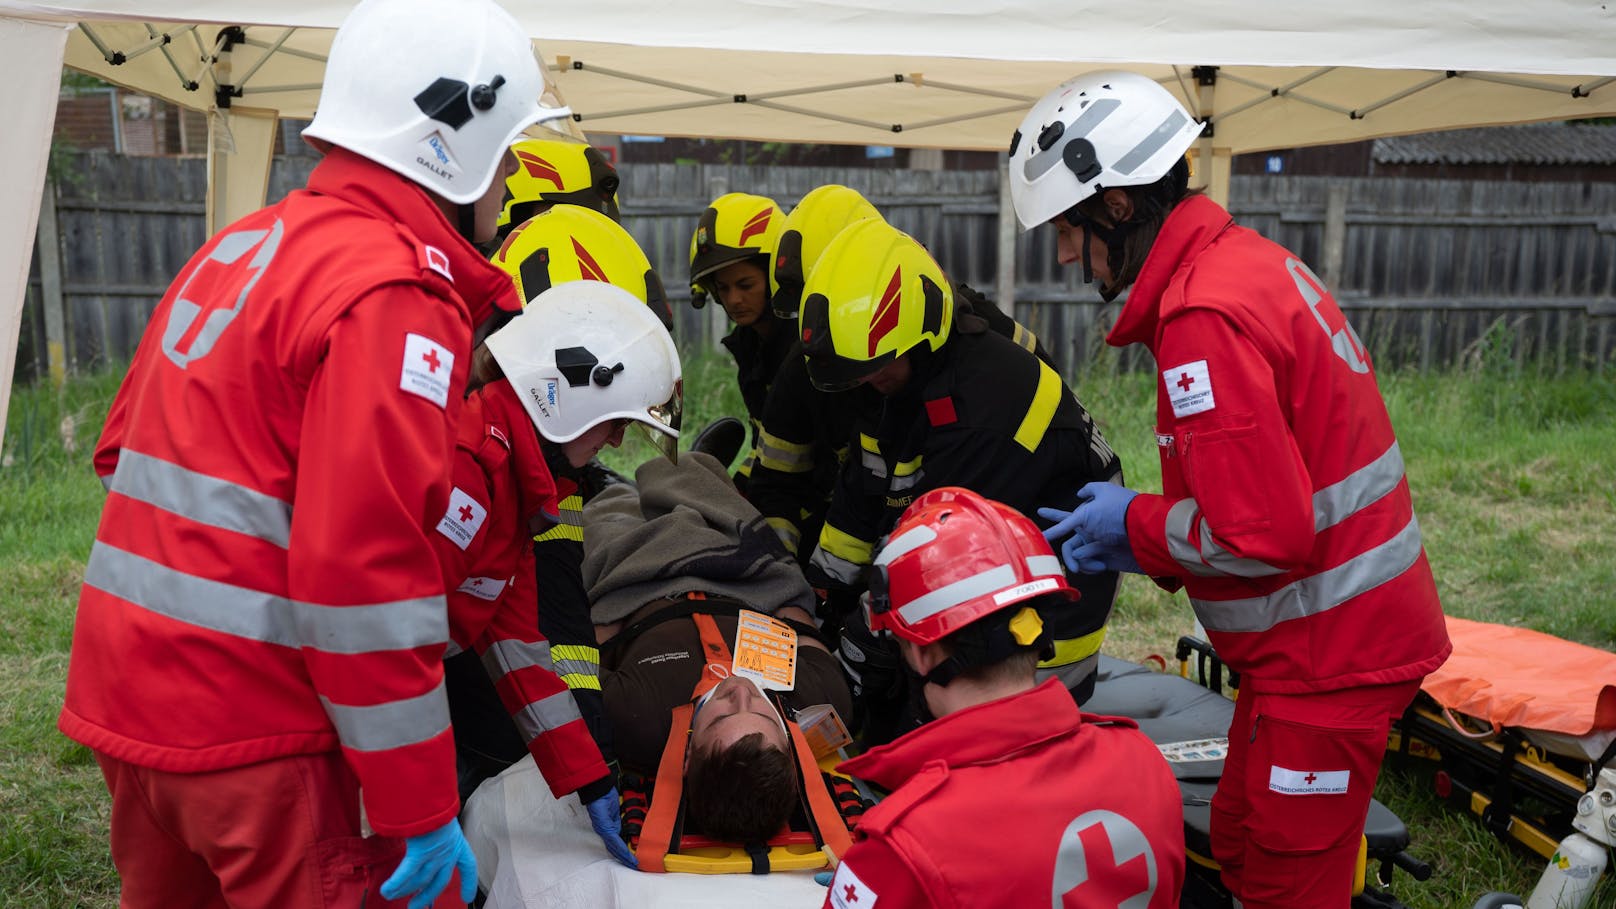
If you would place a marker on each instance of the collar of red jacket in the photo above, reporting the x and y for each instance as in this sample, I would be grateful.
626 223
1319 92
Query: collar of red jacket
496 407
372 187
1191 226
983 734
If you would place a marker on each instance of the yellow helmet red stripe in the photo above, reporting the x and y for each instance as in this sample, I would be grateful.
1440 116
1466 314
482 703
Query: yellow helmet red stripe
587 266
756 225
886 314
539 169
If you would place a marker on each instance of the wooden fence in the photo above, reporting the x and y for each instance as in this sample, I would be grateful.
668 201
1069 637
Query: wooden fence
1430 272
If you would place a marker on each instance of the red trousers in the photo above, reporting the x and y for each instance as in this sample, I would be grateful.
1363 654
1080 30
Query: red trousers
281 834
1289 812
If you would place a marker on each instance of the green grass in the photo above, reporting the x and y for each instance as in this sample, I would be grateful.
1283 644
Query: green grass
53 839
1514 479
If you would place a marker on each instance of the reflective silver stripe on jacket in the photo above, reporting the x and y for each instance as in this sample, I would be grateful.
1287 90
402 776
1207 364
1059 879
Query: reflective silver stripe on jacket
509 656
259 616
838 569
780 455
1358 490
899 484
789 535
906 474
395 724
1023 338
874 463
201 498
566 667
1331 505
547 713
1318 593
571 511
1210 560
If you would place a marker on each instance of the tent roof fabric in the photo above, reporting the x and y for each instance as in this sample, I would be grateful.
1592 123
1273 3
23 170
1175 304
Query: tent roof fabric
930 73
953 74
1565 144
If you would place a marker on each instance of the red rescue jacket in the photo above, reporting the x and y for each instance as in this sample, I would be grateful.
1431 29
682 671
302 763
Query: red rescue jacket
1004 803
500 484
1285 510
262 582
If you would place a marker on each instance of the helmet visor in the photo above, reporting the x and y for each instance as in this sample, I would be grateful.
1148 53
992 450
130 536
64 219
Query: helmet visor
833 373
662 422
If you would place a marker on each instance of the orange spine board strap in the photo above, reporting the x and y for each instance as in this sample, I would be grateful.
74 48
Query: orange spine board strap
657 834
832 827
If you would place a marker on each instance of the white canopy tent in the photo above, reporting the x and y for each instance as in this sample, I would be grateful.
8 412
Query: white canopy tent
922 73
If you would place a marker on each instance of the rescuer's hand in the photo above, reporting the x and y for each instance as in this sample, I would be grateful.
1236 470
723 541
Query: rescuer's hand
429 861
606 816
1096 532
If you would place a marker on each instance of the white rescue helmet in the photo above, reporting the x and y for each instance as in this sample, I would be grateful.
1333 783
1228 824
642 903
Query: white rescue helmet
584 352
434 91
1097 131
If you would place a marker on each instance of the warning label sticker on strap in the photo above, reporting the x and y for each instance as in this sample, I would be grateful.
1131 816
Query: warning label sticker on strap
765 651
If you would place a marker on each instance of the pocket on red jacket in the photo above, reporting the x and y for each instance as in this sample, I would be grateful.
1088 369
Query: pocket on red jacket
1225 468
1309 786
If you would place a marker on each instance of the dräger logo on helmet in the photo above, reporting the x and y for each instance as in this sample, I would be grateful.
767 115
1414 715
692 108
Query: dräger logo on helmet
440 163
548 399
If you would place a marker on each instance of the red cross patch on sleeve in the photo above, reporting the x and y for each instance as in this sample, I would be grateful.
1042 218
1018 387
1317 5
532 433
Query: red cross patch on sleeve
1189 388
463 519
427 368
848 892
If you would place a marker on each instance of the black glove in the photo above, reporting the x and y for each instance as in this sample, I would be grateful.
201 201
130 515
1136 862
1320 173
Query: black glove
833 606
875 671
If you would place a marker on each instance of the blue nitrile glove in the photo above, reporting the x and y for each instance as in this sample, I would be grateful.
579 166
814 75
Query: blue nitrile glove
823 878
429 860
606 816
1097 529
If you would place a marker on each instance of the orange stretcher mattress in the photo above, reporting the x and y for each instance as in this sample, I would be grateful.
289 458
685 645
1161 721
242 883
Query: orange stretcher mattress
1517 677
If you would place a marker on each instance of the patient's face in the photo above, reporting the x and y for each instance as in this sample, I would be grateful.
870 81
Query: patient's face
736 709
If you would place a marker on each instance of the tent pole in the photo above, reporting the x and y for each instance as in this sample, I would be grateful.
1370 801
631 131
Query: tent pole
1007 242
238 171
1211 162
50 286
33 51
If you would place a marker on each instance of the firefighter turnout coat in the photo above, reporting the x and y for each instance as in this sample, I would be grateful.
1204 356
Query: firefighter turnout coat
757 359
262 582
802 440
987 414
1285 510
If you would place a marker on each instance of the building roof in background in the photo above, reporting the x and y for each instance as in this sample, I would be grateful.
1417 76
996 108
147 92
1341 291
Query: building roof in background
1564 144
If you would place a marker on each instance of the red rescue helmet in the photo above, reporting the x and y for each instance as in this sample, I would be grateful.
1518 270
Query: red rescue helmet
956 557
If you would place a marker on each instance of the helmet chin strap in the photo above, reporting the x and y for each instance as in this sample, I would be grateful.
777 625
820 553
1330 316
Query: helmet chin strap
1113 238
467 219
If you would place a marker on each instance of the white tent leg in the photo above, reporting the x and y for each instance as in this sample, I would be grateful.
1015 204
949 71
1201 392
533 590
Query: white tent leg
33 55
1005 279
1217 176
239 155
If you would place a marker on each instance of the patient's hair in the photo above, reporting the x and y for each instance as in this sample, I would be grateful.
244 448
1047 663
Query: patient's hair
742 794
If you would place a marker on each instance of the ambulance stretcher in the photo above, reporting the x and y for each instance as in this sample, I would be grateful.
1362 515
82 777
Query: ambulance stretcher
1189 722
